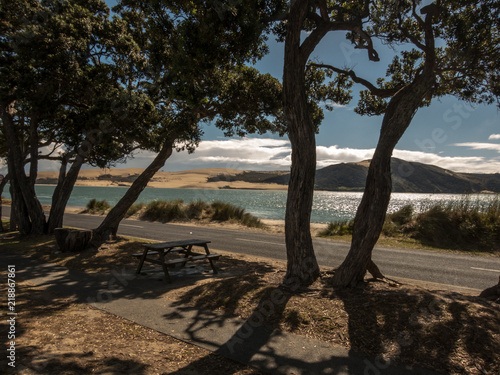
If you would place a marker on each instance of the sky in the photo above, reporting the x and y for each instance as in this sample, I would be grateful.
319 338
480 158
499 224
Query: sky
449 133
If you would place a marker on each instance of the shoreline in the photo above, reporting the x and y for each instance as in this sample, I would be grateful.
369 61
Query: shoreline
258 188
274 226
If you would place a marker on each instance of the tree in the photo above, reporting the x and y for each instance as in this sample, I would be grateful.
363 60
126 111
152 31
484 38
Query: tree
417 75
195 74
467 67
61 62
317 18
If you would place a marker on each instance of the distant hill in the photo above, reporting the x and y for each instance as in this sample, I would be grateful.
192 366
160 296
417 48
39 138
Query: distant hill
408 177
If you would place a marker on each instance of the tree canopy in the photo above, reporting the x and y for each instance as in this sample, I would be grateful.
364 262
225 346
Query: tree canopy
441 48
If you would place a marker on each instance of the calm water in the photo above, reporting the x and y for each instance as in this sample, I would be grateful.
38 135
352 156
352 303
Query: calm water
327 206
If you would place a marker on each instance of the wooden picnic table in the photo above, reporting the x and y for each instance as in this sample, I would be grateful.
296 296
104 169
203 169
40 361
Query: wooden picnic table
183 247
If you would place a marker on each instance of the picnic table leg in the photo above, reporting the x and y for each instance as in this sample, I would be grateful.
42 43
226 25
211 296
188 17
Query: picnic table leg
141 261
165 268
188 251
210 260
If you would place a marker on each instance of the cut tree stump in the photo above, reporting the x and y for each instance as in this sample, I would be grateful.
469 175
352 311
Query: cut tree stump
492 293
72 239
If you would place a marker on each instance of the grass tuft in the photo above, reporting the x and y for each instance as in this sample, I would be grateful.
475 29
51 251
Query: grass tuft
135 208
222 211
166 211
338 228
94 206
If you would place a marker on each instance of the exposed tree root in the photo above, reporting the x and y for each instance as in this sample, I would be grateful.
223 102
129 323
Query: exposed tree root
378 276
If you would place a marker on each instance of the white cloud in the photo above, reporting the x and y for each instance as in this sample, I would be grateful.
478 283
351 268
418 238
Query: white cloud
269 154
275 154
480 146
335 105
494 136
246 153
326 156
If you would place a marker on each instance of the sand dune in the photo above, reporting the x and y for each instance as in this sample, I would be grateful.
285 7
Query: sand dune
190 179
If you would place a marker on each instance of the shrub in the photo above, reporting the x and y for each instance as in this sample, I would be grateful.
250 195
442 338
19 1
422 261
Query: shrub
95 206
195 210
461 225
164 211
135 208
338 228
226 212
402 216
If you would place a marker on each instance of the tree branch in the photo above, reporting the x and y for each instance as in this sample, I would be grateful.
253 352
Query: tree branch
323 9
383 93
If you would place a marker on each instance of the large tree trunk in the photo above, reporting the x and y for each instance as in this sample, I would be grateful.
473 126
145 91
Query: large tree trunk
19 216
371 212
34 222
302 266
33 150
2 186
109 226
13 218
72 239
62 192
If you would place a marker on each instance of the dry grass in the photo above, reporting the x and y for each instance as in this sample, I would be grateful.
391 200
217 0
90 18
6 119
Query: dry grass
58 336
440 330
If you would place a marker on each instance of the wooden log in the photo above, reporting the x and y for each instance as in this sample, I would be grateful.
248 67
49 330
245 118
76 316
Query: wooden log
72 239
492 293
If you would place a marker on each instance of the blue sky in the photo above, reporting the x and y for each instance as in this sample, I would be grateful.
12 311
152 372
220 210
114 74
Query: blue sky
449 133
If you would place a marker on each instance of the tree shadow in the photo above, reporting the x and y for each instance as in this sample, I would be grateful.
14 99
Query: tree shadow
39 361
257 340
413 325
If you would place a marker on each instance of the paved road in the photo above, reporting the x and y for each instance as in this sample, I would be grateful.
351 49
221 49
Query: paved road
437 267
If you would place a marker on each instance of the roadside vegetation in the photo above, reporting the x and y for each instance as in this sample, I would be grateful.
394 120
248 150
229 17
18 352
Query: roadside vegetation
178 211
464 225
97 207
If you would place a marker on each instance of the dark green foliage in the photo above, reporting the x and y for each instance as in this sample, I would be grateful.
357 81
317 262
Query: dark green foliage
461 225
166 211
224 211
338 228
195 210
95 206
227 212
402 216
135 208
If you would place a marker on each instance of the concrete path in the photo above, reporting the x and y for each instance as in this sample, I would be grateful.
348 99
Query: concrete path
139 298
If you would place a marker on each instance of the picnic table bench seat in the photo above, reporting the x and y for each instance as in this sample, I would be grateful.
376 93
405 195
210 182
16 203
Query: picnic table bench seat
183 247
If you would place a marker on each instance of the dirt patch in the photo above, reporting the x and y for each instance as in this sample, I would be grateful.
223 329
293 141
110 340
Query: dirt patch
58 336
441 330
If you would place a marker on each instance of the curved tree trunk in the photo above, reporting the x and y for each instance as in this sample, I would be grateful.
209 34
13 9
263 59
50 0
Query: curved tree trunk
62 192
302 266
31 218
19 216
109 226
371 212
